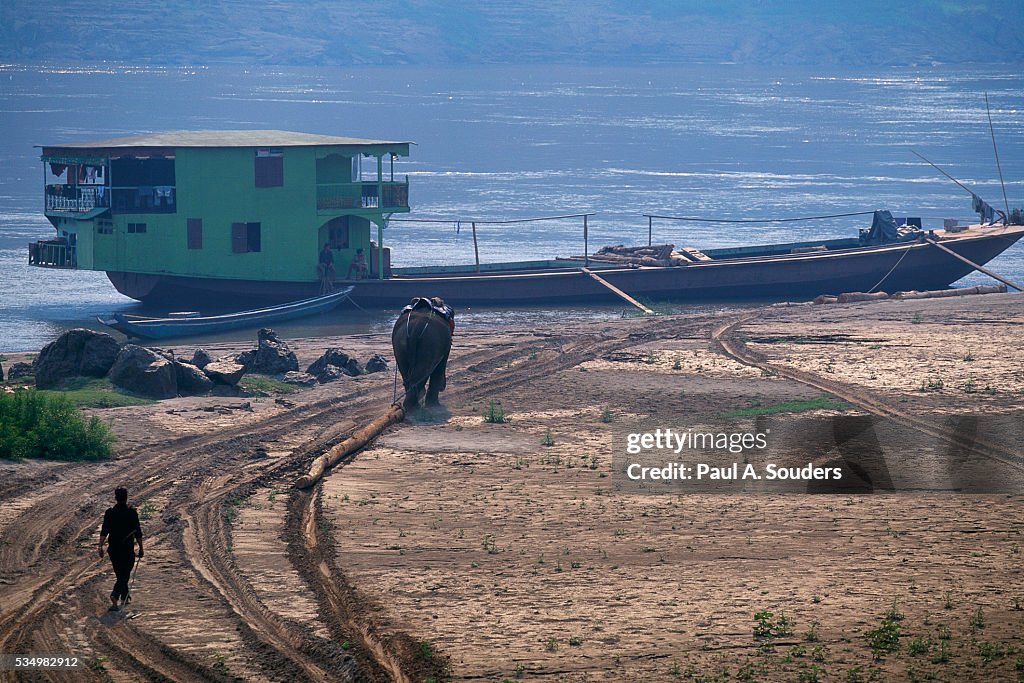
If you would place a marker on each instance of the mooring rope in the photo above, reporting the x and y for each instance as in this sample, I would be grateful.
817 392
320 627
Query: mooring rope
758 220
884 277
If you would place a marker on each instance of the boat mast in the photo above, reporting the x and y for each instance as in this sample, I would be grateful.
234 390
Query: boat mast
995 149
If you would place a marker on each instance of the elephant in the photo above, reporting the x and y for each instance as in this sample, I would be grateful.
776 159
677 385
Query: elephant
422 340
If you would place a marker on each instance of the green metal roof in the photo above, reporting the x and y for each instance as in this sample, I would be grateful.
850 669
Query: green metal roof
226 138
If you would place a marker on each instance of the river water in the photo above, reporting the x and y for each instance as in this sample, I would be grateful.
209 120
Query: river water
512 142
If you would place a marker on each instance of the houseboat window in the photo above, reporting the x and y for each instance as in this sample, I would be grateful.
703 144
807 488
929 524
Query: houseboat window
269 168
104 228
195 233
133 172
136 228
143 185
245 237
90 174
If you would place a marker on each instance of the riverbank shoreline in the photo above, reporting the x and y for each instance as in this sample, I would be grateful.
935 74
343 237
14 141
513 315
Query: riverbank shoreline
508 546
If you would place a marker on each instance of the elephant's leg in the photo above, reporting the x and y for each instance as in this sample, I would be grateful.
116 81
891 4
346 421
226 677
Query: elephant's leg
412 395
438 382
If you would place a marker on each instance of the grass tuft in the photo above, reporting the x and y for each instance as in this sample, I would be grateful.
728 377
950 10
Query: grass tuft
820 403
85 392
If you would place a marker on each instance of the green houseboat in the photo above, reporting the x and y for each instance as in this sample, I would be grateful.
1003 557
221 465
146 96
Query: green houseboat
187 219
190 216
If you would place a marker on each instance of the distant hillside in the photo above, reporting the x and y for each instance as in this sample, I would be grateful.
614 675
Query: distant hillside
328 32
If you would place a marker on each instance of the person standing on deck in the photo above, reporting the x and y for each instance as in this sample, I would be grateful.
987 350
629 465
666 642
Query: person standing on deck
121 526
325 269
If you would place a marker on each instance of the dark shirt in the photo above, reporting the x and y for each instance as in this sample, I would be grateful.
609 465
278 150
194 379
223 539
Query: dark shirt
327 257
121 526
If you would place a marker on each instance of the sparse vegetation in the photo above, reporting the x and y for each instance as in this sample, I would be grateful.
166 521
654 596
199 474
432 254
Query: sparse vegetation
978 619
885 638
766 627
264 384
495 413
35 424
146 510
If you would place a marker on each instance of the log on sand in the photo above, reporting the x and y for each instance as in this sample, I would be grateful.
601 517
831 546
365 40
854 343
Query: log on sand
849 297
942 293
353 443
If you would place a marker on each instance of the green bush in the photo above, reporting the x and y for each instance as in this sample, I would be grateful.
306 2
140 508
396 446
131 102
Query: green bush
38 425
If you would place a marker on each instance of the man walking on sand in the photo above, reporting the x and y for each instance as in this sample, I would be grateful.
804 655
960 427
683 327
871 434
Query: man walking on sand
121 526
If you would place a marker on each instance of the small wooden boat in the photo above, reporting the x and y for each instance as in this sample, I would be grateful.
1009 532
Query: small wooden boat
188 324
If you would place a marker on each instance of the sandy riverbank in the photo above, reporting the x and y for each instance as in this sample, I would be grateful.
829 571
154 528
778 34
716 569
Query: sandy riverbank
508 547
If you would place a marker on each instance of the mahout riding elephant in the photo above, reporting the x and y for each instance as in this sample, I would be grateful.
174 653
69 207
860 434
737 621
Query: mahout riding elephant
422 340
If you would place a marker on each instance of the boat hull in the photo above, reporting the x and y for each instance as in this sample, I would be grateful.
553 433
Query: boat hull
888 268
165 328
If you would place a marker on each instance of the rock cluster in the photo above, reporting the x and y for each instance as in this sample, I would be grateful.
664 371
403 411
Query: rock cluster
272 356
156 373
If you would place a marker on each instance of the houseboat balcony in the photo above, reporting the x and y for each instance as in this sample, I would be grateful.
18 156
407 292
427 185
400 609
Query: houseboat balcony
69 198
52 254
385 196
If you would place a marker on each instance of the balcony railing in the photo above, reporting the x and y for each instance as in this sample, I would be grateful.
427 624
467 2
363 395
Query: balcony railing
392 195
52 254
76 199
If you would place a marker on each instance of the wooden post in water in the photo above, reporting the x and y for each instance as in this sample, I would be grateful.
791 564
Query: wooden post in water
476 250
650 229
617 291
586 249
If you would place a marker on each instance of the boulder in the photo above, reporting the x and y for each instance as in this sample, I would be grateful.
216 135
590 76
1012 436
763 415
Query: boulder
144 372
192 381
166 353
329 374
75 353
273 357
377 363
201 358
334 358
225 372
245 358
267 334
302 379
19 371
352 368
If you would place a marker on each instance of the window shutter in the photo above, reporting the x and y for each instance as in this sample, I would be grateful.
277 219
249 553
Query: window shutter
239 238
270 170
195 233
252 237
